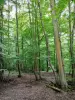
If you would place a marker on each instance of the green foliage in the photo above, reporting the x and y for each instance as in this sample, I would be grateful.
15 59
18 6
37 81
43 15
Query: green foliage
29 31
1 2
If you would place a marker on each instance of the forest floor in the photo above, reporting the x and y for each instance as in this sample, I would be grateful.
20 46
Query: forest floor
26 88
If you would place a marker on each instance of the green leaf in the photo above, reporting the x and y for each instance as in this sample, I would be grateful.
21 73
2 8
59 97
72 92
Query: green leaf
1 1
74 1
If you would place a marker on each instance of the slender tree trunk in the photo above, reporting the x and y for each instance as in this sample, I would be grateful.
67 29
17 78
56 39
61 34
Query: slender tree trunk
37 39
33 36
38 50
62 79
22 52
17 44
46 39
8 25
73 32
71 38
71 43
1 36
8 38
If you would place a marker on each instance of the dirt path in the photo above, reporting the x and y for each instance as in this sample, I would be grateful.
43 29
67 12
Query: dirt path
26 88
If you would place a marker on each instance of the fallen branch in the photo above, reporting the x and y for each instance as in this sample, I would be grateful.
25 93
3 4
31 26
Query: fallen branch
54 88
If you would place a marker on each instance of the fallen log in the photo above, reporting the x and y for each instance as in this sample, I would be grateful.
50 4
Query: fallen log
54 88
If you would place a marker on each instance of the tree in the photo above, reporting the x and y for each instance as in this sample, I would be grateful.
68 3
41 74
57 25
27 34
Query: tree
1 35
17 43
46 39
71 31
37 40
62 80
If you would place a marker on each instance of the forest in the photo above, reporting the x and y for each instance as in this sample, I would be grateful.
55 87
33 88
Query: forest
37 49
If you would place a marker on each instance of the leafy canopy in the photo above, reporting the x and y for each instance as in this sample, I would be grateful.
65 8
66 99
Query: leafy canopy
1 1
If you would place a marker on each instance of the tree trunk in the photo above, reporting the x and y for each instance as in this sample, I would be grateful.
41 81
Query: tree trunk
22 63
62 79
33 36
39 52
71 31
8 25
17 44
8 67
47 42
1 36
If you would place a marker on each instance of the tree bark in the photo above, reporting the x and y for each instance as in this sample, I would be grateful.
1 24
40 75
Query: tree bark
33 36
62 79
1 36
47 42
71 31
17 43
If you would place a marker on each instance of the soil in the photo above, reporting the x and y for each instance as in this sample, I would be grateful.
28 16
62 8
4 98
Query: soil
26 88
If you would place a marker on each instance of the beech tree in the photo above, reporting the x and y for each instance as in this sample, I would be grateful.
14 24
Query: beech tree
61 75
